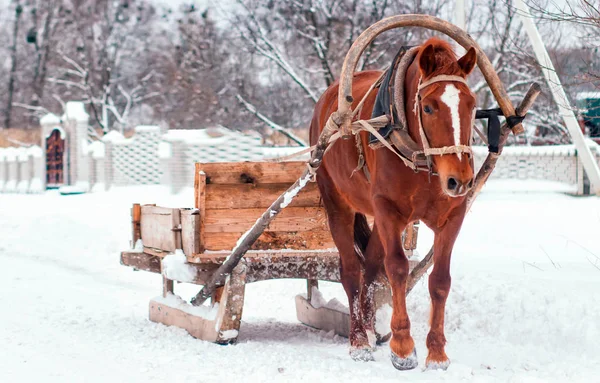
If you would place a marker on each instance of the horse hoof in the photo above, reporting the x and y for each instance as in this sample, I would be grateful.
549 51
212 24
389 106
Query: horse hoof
431 365
407 363
361 355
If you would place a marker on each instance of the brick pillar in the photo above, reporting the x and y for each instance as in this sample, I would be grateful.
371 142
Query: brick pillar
76 123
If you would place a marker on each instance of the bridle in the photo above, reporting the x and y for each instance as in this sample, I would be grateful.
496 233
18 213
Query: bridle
428 151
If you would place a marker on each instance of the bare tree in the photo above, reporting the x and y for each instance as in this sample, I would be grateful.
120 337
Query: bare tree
299 47
13 67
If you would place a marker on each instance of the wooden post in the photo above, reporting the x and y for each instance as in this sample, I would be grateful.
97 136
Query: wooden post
176 228
200 203
410 238
345 99
136 223
310 283
560 97
168 286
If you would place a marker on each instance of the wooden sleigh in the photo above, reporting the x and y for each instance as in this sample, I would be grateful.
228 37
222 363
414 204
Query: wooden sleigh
236 234
187 245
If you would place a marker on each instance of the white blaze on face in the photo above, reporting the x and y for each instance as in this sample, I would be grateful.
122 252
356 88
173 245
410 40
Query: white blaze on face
451 98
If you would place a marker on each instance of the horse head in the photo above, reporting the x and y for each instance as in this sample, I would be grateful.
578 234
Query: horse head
442 115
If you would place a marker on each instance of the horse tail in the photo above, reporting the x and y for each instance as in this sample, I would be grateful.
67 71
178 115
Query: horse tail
362 233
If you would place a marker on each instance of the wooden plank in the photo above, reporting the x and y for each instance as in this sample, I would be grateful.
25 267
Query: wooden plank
252 172
196 326
141 261
310 284
304 240
176 225
289 219
200 203
263 255
248 196
152 263
410 236
231 306
156 210
156 252
136 217
196 180
275 264
223 329
322 318
190 231
168 286
157 228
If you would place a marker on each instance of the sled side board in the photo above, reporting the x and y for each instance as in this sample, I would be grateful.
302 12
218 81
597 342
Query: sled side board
236 194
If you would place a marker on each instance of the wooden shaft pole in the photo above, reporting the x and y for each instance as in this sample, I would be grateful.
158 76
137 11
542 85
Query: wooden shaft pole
460 36
584 153
490 162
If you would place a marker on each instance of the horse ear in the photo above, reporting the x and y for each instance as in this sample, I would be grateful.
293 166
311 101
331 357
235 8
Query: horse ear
427 60
468 61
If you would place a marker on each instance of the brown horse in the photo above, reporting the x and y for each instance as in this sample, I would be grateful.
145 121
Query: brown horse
441 115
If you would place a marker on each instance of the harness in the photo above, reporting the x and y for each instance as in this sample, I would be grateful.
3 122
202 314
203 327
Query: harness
392 88
388 126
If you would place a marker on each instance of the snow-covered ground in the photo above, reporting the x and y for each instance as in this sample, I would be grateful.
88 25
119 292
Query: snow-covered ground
524 305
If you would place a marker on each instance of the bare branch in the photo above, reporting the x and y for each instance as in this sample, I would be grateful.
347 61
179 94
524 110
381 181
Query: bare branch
252 109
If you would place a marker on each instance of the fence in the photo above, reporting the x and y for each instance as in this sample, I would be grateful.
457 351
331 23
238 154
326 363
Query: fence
21 170
151 157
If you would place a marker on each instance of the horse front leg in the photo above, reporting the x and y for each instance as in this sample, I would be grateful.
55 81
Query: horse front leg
390 226
439 288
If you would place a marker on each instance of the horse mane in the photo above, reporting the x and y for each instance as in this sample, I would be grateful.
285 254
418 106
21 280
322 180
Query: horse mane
445 58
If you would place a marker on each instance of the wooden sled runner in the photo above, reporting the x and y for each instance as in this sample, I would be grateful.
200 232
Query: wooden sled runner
187 245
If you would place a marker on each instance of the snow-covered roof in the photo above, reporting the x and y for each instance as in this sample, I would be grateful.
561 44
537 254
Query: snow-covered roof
75 110
113 136
587 95
22 154
96 149
35 151
209 136
147 128
10 154
50 119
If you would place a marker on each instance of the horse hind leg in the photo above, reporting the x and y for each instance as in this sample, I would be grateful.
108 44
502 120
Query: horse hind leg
341 219
375 292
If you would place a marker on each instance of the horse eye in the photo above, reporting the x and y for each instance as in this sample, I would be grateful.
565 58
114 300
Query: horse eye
428 109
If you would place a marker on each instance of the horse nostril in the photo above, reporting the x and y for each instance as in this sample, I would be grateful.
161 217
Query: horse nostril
471 183
452 184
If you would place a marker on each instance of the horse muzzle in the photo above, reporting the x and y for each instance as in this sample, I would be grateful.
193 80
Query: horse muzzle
456 187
